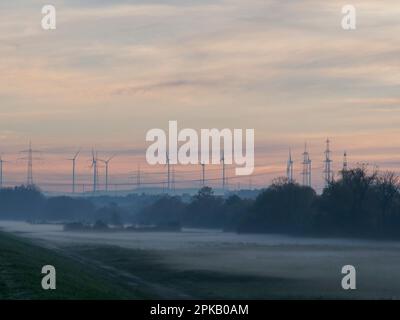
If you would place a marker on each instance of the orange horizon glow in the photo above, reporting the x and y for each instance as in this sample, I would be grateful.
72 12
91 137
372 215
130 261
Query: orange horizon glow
112 71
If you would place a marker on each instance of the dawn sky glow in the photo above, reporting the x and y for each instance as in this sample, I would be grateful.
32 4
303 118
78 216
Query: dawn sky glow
115 69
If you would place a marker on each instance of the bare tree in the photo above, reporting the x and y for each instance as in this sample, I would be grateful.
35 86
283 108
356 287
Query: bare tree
387 187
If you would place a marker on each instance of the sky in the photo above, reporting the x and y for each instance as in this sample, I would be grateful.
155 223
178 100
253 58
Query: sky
112 70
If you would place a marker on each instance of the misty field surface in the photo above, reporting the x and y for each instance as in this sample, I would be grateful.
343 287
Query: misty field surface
205 264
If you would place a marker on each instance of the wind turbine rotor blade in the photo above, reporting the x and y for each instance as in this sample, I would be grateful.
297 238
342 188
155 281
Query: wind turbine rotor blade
76 154
112 157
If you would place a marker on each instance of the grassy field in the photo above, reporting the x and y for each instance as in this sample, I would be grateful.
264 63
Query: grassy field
172 283
20 275
149 267
109 272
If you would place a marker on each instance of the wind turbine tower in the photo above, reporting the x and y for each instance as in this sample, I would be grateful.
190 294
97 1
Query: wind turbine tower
328 164
289 169
173 178
95 172
168 173
223 171
73 169
138 178
1 173
106 163
30 166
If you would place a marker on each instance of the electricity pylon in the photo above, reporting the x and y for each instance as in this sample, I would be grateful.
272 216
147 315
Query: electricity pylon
306 168
328 165
289 169
1 171
345 164
30 158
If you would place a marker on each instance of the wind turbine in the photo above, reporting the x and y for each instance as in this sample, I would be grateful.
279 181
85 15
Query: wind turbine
73 169
168 164
94 166
106 163
138 178
223 170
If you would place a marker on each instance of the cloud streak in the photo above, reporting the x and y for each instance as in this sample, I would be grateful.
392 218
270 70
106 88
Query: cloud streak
113 70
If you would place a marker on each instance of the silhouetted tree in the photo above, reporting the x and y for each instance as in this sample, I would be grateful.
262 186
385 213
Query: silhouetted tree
283 207
68 209
387 189
205 210
111 214
23 202
359 203
235 210
165 211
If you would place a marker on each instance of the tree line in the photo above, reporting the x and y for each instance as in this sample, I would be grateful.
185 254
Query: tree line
360 203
